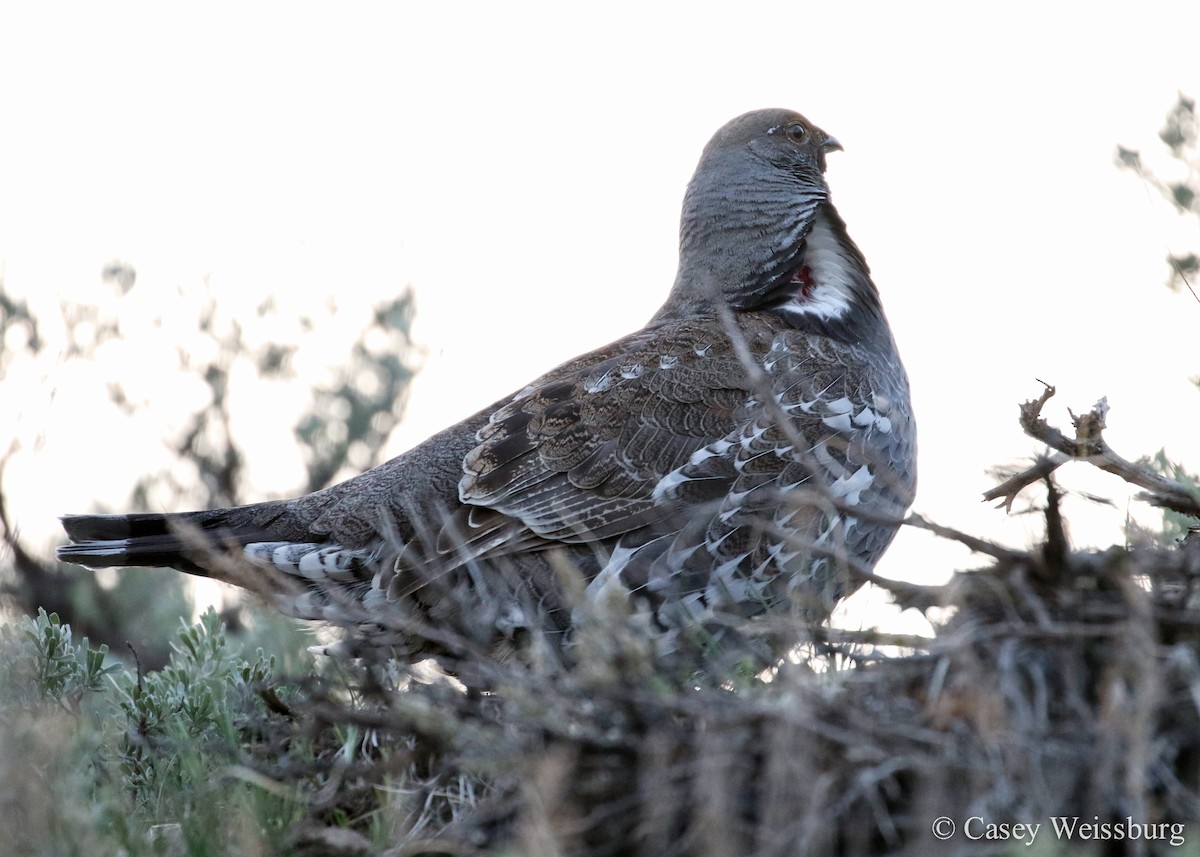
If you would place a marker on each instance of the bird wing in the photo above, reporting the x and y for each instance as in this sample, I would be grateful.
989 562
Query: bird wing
577 455
667 422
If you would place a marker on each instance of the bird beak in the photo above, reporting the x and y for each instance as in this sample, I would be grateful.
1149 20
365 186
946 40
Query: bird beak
831 144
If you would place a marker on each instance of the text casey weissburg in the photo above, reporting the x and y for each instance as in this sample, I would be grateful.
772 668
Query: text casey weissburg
1073 827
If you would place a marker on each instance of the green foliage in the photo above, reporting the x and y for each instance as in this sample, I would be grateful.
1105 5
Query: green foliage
1175 525
139 763
198 750
350 420
39 661
17 324
1181 132
1180 135
198 699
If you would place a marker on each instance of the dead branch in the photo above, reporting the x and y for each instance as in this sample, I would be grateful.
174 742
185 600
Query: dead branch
999 552
1088 445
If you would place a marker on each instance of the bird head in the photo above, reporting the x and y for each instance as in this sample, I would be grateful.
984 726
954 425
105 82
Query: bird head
780 138
748 209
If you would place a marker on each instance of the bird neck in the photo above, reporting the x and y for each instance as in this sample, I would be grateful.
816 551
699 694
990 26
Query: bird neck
810 272
830 286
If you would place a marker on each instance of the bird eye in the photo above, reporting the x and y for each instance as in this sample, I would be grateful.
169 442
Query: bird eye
796 132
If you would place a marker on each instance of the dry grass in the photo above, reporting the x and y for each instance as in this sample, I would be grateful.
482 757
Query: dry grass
1062 689
1062 685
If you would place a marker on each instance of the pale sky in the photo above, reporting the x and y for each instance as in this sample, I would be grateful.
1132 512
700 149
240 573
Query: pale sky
521 165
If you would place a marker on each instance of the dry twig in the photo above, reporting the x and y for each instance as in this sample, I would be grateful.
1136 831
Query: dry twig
1088 445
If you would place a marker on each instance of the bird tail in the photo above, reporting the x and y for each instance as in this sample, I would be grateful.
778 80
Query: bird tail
187 541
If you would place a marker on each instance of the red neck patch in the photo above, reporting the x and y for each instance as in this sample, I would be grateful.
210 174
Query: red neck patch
803 277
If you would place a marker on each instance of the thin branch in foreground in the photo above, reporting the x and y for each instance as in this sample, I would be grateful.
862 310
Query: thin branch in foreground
1015 483
976 544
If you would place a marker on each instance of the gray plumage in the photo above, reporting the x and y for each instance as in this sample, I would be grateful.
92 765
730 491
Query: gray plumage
739 456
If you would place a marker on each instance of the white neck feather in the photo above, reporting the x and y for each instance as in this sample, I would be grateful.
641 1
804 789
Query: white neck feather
832 273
